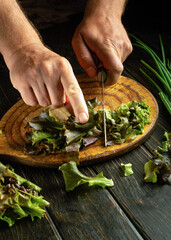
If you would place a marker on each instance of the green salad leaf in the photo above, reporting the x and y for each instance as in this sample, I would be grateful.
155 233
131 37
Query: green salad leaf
19 197
127 169
160 166
48 134
73 177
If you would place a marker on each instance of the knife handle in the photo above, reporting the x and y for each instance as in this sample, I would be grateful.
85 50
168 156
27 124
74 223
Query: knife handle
101 73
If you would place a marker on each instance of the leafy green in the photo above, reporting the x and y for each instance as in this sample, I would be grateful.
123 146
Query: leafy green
73 177
160 166
69 135
19 197
127 169
160 75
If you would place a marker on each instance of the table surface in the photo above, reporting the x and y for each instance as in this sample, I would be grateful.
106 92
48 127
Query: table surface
131 209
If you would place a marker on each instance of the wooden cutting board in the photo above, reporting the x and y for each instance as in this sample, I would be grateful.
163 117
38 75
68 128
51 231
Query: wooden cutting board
12 139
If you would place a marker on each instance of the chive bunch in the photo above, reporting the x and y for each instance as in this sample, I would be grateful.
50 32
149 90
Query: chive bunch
160 75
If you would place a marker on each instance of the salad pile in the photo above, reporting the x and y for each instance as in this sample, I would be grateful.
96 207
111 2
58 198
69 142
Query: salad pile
19 197
48 135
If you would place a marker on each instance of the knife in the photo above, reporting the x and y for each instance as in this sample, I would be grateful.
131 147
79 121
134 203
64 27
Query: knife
102 76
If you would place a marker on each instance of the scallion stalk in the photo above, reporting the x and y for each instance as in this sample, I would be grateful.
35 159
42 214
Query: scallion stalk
161 71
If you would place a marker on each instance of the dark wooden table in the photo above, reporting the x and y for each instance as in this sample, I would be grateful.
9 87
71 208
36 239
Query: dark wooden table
132 209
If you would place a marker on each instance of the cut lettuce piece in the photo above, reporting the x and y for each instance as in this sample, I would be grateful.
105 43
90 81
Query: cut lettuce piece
73 177
160 165
127 169
44 121
151 171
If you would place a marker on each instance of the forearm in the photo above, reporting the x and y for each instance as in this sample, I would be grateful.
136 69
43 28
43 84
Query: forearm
101 7
15 30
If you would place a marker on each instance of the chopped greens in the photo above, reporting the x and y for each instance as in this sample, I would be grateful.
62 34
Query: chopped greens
127 169
161 73
160 166
19 197
48 135
73 177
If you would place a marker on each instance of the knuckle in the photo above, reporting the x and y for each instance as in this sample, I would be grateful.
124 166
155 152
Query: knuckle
20 84
63 65
29 102
46 67
43 102
128 47
73 90
84 59
32 104
58 103
119 68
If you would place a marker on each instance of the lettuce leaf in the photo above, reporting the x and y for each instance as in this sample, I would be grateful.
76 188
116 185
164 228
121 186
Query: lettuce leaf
73 177
160 166
19 197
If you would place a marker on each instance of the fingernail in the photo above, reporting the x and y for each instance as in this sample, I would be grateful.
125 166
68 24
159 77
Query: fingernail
91 71
82 118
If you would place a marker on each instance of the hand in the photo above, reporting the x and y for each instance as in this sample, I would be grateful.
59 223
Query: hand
43 77
101 33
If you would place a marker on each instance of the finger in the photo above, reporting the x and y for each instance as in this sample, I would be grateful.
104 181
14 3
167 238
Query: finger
126 50
111 63
56 93
50 75
69 106
113 74
28 96
75 95
41 93
84 55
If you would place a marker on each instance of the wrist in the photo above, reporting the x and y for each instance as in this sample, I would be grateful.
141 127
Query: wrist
112 8
23 53
16 31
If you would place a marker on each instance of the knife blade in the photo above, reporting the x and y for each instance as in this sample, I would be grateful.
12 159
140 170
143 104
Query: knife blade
102 77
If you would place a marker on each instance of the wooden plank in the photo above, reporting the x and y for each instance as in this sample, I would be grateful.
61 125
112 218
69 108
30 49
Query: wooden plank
26 229
147 205
83 213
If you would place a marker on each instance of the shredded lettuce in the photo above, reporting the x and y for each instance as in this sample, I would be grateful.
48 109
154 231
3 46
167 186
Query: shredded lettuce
47 134
160 166
19 197
74 178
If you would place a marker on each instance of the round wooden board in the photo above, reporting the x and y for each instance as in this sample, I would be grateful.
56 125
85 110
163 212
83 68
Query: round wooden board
12 139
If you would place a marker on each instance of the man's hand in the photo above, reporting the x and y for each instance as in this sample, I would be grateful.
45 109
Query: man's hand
45 78
102 34
40 75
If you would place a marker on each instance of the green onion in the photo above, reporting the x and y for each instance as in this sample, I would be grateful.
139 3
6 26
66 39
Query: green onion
161 72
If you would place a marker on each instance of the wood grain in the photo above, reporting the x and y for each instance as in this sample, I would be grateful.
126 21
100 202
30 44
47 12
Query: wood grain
13 139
